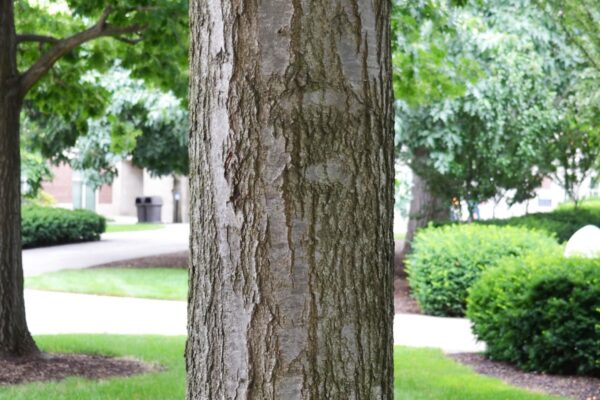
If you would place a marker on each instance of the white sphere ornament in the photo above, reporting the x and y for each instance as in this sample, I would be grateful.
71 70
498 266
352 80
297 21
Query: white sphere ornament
584 243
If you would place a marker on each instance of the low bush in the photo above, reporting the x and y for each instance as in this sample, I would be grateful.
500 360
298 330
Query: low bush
45 226
446 261
542 314
562 222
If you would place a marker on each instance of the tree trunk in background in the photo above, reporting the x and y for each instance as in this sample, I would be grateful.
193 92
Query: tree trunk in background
15 339
292 158
176 193
425 207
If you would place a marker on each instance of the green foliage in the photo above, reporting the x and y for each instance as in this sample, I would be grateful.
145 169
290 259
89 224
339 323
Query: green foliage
34 169
43 199
156 53
580 19
45 226
402 196
446 261
540 314
510 128
561 223
147 124
574 149
425 65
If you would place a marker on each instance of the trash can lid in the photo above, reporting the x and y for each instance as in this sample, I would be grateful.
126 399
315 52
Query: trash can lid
153 200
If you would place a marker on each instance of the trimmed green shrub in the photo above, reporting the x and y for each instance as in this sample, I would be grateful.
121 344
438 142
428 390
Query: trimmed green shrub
541 314
562 223
45 226
446 261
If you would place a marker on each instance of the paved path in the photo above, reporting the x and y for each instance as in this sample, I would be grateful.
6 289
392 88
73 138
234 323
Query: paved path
452 335
112 247
53 313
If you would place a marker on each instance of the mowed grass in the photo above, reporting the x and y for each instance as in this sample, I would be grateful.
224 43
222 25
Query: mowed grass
111 228
165 385
427 374
421 374
149 283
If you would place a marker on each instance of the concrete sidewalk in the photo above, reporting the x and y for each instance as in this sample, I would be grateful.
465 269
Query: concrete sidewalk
452 335
53 313
113 247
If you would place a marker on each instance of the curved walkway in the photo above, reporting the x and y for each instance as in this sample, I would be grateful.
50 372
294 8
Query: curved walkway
54 313
113 247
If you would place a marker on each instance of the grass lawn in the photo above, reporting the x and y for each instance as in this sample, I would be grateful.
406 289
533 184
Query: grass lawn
421 374
426 374
167 385
150 283
110 228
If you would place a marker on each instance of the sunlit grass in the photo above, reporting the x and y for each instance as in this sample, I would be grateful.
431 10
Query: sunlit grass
111 228
151 283
421 374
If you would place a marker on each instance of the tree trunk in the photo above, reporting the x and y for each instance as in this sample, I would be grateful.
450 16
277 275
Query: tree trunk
425 207
15 339
176 192
292 158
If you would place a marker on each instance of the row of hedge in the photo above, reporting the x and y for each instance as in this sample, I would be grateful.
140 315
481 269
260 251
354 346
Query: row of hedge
530 305
45 226
561 223
446 261
541 314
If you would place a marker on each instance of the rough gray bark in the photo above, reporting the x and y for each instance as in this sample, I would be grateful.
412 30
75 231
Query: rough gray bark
291 176
425 207
15 339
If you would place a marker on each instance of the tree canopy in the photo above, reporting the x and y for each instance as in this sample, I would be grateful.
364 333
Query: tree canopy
64 53
493 138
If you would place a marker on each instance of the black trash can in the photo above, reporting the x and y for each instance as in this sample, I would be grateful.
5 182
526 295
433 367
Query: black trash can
153 205
141 209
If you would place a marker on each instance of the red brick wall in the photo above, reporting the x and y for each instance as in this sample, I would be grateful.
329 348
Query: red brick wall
61 186
106 195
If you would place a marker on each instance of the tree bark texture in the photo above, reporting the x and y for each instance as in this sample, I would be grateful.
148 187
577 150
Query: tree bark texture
15 339
292 159
425 207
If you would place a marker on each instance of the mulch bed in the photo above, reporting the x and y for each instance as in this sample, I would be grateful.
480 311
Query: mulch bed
579 388
172 260
403 302
56 367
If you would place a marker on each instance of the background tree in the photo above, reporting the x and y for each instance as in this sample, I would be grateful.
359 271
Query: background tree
292 157
428 67
43 55
492 139
144 124
574 149
580 21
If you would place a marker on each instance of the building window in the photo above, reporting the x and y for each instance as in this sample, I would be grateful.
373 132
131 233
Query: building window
544 203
